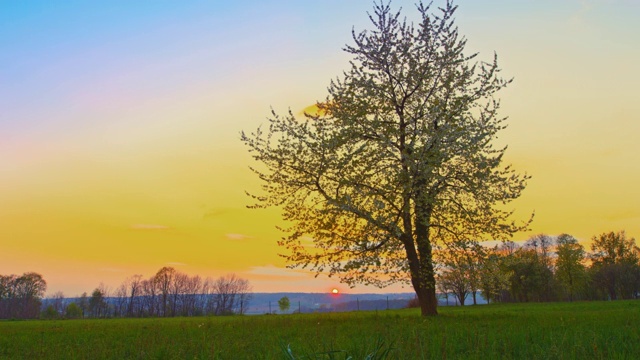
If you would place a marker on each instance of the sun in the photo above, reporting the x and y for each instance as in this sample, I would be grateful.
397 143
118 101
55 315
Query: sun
334 291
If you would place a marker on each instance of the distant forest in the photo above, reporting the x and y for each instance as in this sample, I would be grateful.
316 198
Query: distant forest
168 293
543 269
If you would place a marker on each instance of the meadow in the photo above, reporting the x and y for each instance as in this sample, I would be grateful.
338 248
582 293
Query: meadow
583 330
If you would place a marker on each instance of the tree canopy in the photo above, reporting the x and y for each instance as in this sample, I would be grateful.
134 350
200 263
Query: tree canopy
398 158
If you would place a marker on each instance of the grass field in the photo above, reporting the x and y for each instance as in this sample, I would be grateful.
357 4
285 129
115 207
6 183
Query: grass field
585 330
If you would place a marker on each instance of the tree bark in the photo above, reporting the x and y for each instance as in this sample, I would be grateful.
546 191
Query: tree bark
426 275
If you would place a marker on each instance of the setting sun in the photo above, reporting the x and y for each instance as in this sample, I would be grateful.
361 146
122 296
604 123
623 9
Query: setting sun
334 291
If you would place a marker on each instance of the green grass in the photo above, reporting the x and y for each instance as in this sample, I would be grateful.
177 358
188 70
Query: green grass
585 330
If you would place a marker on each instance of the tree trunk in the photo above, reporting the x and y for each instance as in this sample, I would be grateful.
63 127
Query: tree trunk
426 272
428 301
426 294
474 297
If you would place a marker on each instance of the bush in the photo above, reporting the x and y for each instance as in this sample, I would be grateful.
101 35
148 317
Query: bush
413 303
50 313
73 311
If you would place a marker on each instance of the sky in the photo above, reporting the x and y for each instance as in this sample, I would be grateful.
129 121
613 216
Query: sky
120 125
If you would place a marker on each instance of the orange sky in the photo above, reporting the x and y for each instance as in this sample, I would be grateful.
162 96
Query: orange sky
119 127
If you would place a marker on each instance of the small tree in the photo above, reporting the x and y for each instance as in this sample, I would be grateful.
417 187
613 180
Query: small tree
462 260
494 278
284 304
73 311
58 302
97 304
50 313
83 304
570 269
455 281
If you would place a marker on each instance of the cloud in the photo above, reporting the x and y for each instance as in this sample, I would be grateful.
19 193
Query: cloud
149 227
237 236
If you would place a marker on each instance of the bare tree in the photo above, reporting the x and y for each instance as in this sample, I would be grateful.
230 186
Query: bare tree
164 281
58 302
83 304
231 294
150 291
135 288
454 280
121 301
243 288
192 304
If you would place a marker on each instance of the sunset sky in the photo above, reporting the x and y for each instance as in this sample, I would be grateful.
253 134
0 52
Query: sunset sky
120 123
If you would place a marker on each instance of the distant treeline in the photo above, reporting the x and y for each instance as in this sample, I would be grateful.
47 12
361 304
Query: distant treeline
165 294
545 268
168 293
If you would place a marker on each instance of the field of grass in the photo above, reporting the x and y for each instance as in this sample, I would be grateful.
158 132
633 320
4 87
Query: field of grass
585 330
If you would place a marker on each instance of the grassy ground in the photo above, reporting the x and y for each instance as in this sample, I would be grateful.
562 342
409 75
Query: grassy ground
595 330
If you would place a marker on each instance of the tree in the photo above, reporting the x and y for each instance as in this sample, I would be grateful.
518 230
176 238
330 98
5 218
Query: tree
616 264
98 307
528 276
150 289
494 280
230 294
442 288
58 302
83 303
134 284
612 248
120 301
164 279
284 304
454 280
397 158
73 311
570 270
540 245
461 273
21 296
50 313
